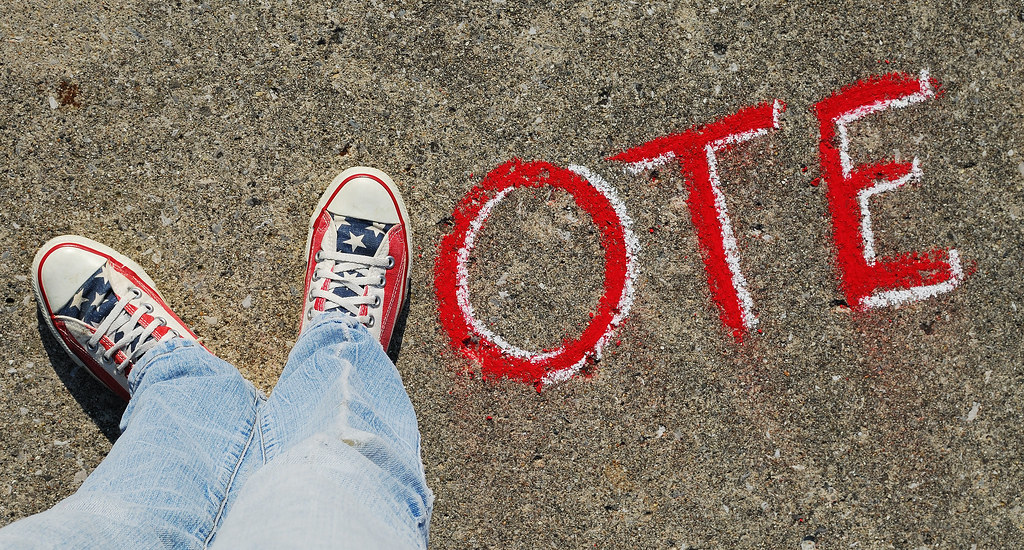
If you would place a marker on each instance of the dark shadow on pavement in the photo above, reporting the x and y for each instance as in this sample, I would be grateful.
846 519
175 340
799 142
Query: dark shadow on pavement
102 405
396 336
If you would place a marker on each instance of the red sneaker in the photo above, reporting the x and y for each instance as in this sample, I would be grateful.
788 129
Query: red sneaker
102 307
358 252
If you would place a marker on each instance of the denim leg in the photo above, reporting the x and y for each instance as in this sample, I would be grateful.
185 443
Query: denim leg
343 452
165 482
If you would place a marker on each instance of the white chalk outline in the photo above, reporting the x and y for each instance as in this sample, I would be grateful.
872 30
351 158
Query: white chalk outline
864 197
916 293
632 248
841 121
732 252
883 298
635 168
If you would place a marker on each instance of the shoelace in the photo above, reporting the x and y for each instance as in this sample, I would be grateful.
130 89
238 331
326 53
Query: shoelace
118 319
354 272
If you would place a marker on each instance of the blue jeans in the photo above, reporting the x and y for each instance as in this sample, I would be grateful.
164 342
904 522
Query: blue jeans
330 460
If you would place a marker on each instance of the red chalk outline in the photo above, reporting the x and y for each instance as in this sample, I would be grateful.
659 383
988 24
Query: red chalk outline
496 357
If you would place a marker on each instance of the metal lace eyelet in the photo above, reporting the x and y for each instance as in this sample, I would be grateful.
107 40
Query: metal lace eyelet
309 314
376 301
369 324
92 347
382 281
149 308
319 256
136 291
391 262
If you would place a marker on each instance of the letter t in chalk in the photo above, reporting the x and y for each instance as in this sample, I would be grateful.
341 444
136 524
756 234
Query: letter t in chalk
697 152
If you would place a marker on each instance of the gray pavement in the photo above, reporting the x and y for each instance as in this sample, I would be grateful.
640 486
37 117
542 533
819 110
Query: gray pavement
196 137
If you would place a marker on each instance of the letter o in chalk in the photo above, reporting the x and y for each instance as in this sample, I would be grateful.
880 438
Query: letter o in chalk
496 357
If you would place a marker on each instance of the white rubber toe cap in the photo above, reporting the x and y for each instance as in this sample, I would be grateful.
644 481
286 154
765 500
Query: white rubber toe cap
367 196
62 269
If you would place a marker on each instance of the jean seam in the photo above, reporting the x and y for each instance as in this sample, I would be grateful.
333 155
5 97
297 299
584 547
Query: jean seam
259 426
267 432
234 473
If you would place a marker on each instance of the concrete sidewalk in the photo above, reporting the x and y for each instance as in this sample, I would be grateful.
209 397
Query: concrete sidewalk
196 137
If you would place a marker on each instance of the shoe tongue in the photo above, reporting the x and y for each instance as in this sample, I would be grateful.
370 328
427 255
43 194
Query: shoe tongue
94 302
360 237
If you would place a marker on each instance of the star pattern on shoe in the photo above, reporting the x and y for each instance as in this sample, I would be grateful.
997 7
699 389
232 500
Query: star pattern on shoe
78 300
361 206
362 237
97 299
94 302
354 241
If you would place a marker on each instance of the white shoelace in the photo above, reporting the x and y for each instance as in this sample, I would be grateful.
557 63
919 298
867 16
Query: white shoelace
118 319
354 272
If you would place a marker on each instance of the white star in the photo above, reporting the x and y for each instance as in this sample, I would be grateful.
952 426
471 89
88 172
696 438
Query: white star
354 242
97 300
376 230
342 220
79 299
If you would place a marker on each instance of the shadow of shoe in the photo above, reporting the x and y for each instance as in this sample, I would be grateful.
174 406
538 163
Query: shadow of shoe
102 405
399 331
